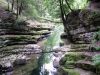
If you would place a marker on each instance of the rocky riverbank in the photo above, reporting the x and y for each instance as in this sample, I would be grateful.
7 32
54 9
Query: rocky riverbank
83 56
19 48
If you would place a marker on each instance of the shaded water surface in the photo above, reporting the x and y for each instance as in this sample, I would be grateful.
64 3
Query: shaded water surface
45 62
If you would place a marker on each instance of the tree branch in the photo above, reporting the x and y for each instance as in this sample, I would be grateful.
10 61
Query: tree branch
68 5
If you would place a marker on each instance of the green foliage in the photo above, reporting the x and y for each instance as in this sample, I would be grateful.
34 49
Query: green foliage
52 7
79 4
96 60
96 40
35 9
30 8
97 36
74 4
3 3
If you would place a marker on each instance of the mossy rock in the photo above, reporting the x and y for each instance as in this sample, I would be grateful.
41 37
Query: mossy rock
9 48
76 46
18 39
64 71
16 36
69 64
72 72
86 65
71 57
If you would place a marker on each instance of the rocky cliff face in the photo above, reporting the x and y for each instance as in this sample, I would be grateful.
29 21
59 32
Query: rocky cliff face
18 43
84 26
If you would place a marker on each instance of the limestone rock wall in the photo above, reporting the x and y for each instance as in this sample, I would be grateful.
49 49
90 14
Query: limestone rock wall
18 44
84 26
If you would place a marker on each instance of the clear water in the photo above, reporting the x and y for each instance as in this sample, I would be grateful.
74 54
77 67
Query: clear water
46 59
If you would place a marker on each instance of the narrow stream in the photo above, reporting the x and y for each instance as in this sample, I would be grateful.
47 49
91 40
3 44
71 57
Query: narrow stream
45 62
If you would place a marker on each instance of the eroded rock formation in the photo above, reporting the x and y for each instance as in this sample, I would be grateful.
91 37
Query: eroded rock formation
84 26
18 41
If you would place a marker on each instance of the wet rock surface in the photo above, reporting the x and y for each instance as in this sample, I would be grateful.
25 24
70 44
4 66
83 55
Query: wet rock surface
19 43
85 31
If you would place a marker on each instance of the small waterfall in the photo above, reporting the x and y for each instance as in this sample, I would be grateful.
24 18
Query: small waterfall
48 69
47 59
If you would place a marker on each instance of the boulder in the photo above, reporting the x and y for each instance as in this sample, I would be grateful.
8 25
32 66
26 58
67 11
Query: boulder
20 62
6 68
56 62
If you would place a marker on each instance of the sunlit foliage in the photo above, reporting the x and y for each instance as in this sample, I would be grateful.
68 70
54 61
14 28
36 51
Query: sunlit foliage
45 8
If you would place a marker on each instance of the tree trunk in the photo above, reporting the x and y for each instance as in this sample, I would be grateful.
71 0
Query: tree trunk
20 7
12 5
17 9
8 5
64 19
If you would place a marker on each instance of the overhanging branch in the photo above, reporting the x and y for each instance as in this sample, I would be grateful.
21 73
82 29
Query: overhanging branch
68 5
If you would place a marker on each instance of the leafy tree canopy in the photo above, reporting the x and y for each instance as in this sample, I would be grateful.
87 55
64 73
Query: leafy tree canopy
44 8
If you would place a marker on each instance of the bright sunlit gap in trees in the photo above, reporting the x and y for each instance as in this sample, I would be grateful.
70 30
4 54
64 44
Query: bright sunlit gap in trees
79 4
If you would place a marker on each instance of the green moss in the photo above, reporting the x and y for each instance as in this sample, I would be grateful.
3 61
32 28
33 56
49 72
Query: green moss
20 37
40 32
96 60
69 60
71 57
70 71
69 64
98 48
